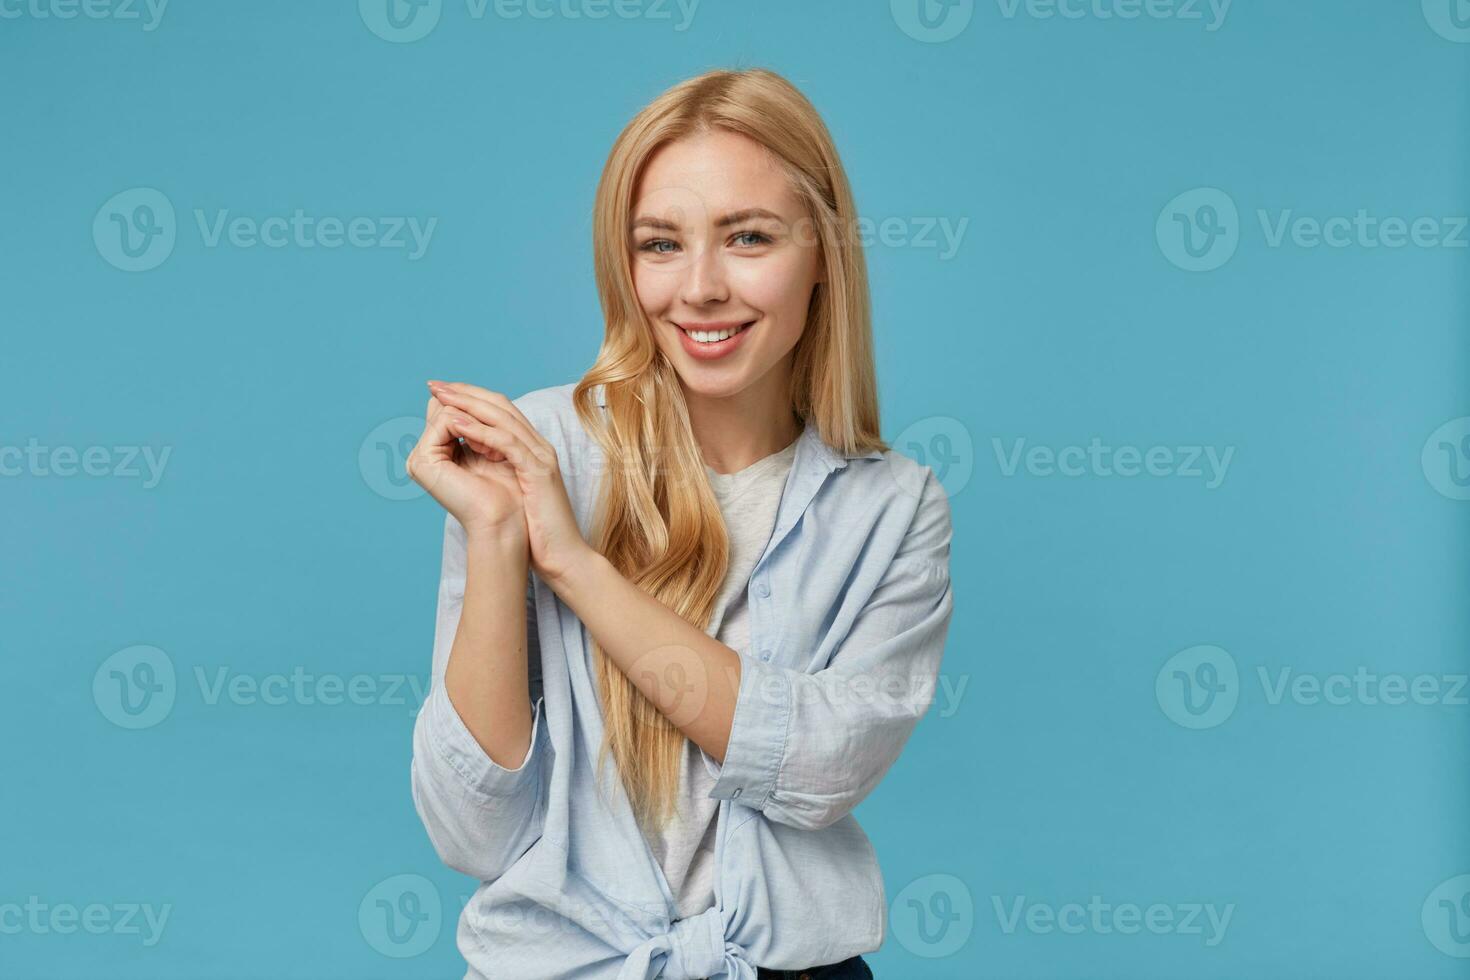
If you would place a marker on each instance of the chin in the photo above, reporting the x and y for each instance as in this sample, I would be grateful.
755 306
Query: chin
711 388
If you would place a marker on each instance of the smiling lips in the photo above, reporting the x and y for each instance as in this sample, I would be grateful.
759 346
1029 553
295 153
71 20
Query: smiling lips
712 349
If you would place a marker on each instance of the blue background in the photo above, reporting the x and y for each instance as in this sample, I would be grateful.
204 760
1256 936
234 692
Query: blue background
272 541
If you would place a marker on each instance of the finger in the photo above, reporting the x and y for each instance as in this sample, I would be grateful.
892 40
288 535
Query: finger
487 407
435 406
489 452
489 413
436 444
436 430
499 399
495 437
446 437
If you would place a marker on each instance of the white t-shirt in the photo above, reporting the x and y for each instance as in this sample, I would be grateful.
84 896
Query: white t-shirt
685 846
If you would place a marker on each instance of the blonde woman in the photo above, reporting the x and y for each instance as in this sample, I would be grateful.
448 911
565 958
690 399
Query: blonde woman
691 605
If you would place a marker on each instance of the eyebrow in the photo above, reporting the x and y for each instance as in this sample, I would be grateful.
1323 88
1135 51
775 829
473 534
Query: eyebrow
734 217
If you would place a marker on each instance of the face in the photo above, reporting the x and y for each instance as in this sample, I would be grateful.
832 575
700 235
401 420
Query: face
721 243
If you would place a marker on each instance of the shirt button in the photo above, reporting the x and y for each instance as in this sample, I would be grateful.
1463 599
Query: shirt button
736 793
765 655
763 589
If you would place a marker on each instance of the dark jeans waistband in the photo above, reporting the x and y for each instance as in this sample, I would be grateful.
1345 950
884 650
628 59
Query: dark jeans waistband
852 968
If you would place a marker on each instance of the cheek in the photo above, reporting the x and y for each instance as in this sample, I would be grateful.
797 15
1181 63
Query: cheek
653 290
774 288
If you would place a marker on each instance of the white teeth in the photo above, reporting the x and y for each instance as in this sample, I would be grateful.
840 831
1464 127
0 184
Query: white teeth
705 337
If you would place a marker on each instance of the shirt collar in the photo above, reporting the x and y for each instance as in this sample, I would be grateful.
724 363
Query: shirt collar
833 459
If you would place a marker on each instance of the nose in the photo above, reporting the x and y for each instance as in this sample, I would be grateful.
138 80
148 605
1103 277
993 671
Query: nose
704 279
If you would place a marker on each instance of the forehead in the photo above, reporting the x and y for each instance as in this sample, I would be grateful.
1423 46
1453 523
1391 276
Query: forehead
710 173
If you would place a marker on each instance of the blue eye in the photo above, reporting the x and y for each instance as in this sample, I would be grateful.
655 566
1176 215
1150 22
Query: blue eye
653 244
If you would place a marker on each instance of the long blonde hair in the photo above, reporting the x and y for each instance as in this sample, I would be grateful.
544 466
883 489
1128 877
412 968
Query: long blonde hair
658 521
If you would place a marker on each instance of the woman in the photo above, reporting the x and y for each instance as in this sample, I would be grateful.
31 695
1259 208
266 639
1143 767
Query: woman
735 596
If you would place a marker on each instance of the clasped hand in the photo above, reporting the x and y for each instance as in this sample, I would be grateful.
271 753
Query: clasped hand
504 479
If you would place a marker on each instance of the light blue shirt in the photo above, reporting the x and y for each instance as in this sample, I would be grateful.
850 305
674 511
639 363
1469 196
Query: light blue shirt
849 608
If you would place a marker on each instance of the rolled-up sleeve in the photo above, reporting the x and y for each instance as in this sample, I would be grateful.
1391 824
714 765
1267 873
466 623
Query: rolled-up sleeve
805 748
480 816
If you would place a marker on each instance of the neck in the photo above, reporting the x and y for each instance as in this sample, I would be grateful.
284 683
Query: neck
736 430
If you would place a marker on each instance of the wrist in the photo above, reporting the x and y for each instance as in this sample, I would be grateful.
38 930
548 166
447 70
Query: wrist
573 579
498 539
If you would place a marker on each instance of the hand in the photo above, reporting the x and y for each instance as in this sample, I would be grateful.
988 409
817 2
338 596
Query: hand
481 492
495 428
